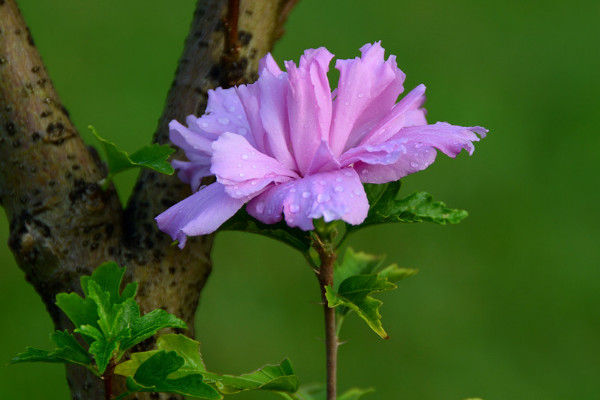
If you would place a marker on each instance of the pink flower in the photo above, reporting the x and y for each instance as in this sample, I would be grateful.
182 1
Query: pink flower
287 144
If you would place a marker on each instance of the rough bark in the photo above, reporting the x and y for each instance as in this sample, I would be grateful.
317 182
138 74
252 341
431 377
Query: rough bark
62 225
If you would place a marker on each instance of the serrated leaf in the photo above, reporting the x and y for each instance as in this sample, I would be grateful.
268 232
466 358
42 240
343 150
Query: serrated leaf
147 325
80 311
67 351
355 263
109 277
294 237
355 293
153 376
386 207
271 377
101 348
153 157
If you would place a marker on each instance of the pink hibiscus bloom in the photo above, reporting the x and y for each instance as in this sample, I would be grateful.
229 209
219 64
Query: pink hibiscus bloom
289 147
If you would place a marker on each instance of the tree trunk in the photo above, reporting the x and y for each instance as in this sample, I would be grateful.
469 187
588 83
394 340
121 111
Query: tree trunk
62 224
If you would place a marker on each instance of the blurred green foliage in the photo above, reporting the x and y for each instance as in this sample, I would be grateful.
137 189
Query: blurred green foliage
506 304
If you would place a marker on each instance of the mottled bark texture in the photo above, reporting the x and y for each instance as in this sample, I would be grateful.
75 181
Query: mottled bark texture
62 225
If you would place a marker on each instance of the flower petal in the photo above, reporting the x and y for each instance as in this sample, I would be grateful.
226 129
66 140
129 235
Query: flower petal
268 63
367 90
329 195
191 172
409 151
224 113
200 214
274 116
309 104
244 170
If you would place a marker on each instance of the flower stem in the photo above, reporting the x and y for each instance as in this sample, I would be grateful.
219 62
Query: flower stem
328 255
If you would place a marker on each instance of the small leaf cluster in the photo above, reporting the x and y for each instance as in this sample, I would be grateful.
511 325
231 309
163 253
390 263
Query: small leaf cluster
108 323
356 279
177 367
107 320
153 156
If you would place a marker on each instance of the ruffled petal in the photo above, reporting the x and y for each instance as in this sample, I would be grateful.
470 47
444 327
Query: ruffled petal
268 63
367 90
200 214
242 169
224 113
309 104
407 112
250 98
328 195
411 150
191 172
274 116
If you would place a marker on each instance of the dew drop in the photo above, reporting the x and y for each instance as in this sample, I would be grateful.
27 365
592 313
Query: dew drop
322 183
322 198
204 124
254 166
305 195
223 120
357 192
293 190
339 179
294 208
369 148
231 109
238 193
244 156
240 116
242 131
418 145
242 174
253 183
403 149
347 103
240 165
348 173
361 95
414 164
260 207
339 189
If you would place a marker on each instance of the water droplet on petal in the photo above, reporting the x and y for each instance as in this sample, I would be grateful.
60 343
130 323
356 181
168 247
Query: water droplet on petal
361 95
347 103
223 120
260 207
322 183
240 116
339 189
253 183
369 148
240 165
238 193
231 109
357 192
339 179
254 166
293 190
418 145
204 124
244 156
305 195
242 131
242 174
294 208
322 198
348 173
414 164
403 149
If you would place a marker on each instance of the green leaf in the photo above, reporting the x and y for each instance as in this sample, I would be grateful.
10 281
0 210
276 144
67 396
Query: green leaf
153 157
355 263
68 351
294 237
80 311
355 394
355 292
271 377
153 376
101 348
109 277
386 207
147 325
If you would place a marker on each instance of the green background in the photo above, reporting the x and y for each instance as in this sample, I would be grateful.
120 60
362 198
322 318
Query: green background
506 304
